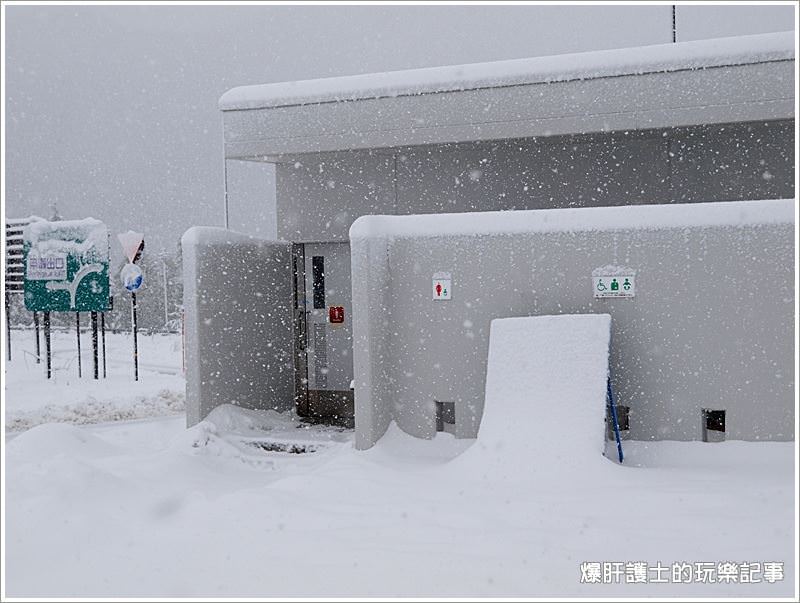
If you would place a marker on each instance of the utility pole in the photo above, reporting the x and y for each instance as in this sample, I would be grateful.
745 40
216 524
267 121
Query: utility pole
164 278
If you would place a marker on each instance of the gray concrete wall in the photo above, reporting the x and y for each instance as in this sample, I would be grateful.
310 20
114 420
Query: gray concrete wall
238 321
711 325
319 196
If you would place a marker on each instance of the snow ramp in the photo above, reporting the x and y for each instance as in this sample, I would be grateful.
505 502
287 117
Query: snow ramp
545 396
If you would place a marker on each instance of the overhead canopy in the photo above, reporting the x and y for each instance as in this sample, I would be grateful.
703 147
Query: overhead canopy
747 78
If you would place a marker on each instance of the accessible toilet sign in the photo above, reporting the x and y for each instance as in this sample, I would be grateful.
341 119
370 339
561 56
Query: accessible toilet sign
442 286
612 281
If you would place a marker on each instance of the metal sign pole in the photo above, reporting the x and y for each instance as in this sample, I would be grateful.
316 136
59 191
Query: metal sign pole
94 345
36 332
47 342
166 302
78 331
103 335
135 342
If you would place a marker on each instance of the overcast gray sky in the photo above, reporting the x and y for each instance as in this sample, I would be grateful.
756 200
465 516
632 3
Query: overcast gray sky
111 111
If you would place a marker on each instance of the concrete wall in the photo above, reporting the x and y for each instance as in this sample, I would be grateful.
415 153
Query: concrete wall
319 196
238 305
711 325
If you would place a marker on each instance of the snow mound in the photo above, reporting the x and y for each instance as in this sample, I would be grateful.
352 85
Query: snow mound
243 421
284 427
398 446
93 410
256 437
545 397
57 440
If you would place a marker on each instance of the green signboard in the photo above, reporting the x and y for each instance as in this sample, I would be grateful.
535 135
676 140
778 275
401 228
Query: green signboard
66 266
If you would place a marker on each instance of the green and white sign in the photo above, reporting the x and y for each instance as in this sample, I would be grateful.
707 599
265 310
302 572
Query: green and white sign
614 282
66 266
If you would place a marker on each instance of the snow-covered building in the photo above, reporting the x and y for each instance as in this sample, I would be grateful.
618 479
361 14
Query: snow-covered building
339 320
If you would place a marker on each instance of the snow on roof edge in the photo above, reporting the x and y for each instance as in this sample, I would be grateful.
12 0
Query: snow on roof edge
642 217
698 54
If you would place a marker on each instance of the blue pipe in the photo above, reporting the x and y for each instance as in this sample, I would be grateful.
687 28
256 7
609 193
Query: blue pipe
610 396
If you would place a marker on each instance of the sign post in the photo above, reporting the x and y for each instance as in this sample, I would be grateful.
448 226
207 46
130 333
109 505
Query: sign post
103 335
47 342
78 331
36 333
135 339
94 345
66 270
132 277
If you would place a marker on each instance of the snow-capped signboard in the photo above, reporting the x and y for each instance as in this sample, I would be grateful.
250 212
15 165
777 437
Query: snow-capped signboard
614 281
66 266
442 286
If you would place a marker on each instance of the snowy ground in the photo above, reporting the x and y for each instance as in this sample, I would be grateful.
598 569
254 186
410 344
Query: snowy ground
31 399
148 508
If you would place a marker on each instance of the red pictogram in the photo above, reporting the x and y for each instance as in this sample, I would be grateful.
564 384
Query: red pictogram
336 314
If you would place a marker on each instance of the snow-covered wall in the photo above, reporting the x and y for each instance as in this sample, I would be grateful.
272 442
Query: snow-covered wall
238 322
319 196
711 325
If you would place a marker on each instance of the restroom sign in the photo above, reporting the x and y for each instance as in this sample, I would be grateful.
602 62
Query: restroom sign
614 285
442 286
336 314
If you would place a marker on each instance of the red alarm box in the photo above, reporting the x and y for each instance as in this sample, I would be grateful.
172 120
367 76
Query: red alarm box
336 314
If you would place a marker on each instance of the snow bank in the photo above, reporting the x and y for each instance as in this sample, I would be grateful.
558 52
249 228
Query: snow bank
698 54
639 217
31 399
154 516
102 409
48 441
545 396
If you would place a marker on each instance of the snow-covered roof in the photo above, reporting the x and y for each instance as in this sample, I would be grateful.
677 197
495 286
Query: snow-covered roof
641 217
726 80
658 58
